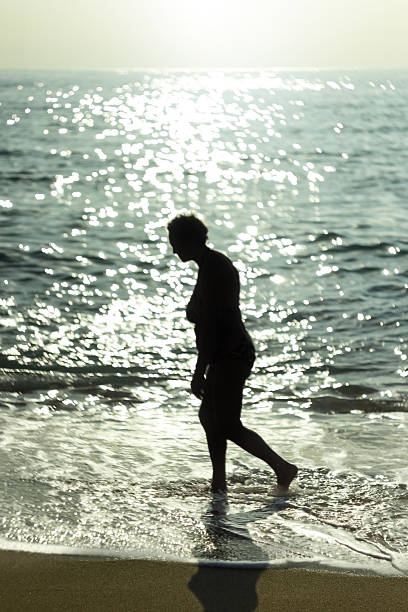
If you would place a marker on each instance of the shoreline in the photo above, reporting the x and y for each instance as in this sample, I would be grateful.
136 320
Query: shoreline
324 564
33 581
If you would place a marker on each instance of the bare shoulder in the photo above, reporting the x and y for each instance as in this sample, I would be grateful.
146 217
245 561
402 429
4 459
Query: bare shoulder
219 262
219 269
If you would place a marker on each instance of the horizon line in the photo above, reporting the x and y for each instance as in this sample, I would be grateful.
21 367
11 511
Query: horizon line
254 68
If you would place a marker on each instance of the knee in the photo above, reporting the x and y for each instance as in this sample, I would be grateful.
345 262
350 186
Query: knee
232 431
205 419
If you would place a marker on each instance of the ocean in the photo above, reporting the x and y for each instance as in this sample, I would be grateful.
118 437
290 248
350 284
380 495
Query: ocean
301 178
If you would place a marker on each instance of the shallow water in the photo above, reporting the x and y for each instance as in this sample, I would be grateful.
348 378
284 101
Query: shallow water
91 483
301 178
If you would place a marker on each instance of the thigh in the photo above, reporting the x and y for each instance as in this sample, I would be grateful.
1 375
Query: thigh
222 401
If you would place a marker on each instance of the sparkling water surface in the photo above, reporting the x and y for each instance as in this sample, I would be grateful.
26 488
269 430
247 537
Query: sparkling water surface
301 179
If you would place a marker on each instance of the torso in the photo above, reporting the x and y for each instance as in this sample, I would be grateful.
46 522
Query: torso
215 302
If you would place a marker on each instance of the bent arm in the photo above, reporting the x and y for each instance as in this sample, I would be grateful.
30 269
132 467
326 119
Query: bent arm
201 365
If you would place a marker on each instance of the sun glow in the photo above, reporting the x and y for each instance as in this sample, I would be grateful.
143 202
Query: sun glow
224 33
200 34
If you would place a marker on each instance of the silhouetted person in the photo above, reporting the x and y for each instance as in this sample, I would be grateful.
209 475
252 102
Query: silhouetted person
225 352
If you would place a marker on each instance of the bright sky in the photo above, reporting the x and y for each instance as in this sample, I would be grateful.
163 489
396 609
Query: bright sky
97 34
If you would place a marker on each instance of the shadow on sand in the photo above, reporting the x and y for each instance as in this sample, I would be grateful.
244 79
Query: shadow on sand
220 588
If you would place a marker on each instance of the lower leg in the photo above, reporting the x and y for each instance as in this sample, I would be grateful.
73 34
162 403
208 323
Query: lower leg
254 444
217 446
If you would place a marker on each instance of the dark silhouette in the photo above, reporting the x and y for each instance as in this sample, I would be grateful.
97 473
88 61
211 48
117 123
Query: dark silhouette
225 352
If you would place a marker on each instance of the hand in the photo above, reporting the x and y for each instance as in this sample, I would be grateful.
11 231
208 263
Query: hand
197 385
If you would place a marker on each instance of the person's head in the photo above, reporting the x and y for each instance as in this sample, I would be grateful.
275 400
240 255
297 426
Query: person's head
187 236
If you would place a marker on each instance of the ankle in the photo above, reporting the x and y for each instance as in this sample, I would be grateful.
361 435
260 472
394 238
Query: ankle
218 485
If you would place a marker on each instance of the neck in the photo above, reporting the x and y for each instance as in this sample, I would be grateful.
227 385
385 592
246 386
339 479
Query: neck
200 254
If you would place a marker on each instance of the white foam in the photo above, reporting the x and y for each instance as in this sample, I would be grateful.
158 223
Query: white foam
314 563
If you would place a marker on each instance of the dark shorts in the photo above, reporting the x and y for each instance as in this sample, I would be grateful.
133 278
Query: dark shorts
220 409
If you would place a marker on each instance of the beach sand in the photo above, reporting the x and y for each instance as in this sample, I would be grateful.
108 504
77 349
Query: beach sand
42 582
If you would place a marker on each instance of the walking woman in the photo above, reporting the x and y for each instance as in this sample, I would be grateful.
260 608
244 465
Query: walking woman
225 352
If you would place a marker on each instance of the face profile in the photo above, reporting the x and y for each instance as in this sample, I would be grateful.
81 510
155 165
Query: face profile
180 248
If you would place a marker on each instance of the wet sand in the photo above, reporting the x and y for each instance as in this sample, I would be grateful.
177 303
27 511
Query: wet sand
42 582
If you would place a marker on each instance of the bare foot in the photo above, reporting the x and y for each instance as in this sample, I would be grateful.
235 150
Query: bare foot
219 503
286 475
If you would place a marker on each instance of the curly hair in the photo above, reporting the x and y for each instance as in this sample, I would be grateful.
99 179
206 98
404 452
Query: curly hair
188 228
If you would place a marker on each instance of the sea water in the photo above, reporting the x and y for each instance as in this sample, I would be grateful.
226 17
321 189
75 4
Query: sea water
301 178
